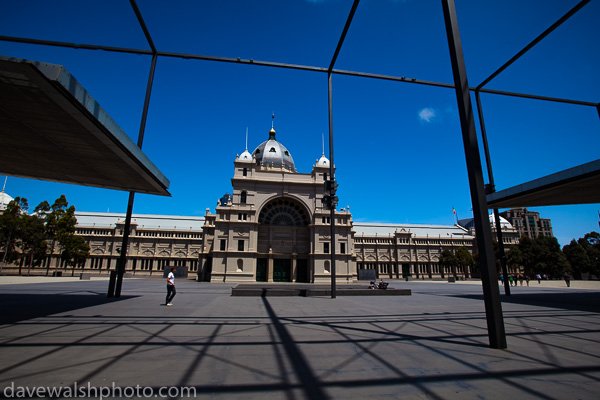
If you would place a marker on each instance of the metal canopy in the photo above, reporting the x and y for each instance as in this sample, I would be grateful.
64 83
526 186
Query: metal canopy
491 294
578 185
52 129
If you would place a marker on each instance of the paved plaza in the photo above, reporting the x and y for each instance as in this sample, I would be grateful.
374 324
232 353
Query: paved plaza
433 344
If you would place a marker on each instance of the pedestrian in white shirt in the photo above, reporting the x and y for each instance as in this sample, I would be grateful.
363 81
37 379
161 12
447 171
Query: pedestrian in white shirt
171 292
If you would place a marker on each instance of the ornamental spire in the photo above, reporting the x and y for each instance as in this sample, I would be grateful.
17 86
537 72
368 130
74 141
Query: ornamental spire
272 131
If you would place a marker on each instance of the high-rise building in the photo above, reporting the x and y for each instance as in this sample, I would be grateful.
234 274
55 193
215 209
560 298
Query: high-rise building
528 222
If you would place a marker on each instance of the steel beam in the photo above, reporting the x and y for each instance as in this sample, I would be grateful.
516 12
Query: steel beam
534 42
121 265
271 64
491 294
492 188
331 192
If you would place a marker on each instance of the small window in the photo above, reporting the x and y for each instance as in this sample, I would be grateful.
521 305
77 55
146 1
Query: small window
239 216
243 197
343 248
286 153
257 151
326 248
222 244
245 172
325 176
240 245
272 150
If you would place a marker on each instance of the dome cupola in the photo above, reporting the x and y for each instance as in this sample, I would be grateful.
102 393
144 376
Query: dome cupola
245 156
323 161
273 154
4 200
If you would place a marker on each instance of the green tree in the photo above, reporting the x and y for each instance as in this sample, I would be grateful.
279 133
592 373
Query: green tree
10 224
584 255
514 258
60 224
32 241
74 251
449 259
543 255
578 258
464 259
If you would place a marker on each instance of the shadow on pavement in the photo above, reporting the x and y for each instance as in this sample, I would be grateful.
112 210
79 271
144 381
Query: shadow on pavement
21 307
580 301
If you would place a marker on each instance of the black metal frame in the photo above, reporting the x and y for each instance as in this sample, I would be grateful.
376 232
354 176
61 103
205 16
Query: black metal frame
496 332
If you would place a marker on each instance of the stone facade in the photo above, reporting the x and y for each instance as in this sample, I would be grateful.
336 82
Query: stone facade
273 227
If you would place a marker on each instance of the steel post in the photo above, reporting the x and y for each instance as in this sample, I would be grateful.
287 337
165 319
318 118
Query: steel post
491 294
122 263
331 193
492 188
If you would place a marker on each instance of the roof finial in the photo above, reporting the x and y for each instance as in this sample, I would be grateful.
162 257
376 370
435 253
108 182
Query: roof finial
4 187
323 139
246 138
272 131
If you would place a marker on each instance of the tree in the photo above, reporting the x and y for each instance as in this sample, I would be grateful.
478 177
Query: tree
448 259
10 228
32 241
543 255
584 255
578 258
514 258
60 224
464 259
75 251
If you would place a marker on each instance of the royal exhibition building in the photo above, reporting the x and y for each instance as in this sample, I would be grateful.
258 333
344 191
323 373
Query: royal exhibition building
273 227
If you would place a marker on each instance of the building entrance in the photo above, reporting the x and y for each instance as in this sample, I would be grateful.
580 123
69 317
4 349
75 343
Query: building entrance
261 269
282 270
302 275
283 234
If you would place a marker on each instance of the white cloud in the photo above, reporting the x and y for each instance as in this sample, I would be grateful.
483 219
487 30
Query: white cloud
427 114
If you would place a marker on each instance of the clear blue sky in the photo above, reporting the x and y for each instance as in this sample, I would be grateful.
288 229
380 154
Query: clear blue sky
398 147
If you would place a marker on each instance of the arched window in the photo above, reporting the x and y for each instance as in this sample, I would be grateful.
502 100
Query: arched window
283 212
243 196
240 265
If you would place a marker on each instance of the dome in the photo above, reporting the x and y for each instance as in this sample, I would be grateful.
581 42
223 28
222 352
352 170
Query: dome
272 153
4 200
504 224
245 156
323 161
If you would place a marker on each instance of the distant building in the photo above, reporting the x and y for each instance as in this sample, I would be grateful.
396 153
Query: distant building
273 227
528 222
510 235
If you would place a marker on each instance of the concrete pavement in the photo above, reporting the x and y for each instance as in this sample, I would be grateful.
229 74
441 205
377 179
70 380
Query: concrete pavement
430 345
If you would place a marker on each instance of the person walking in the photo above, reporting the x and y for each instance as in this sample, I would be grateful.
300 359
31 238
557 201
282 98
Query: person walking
171 292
